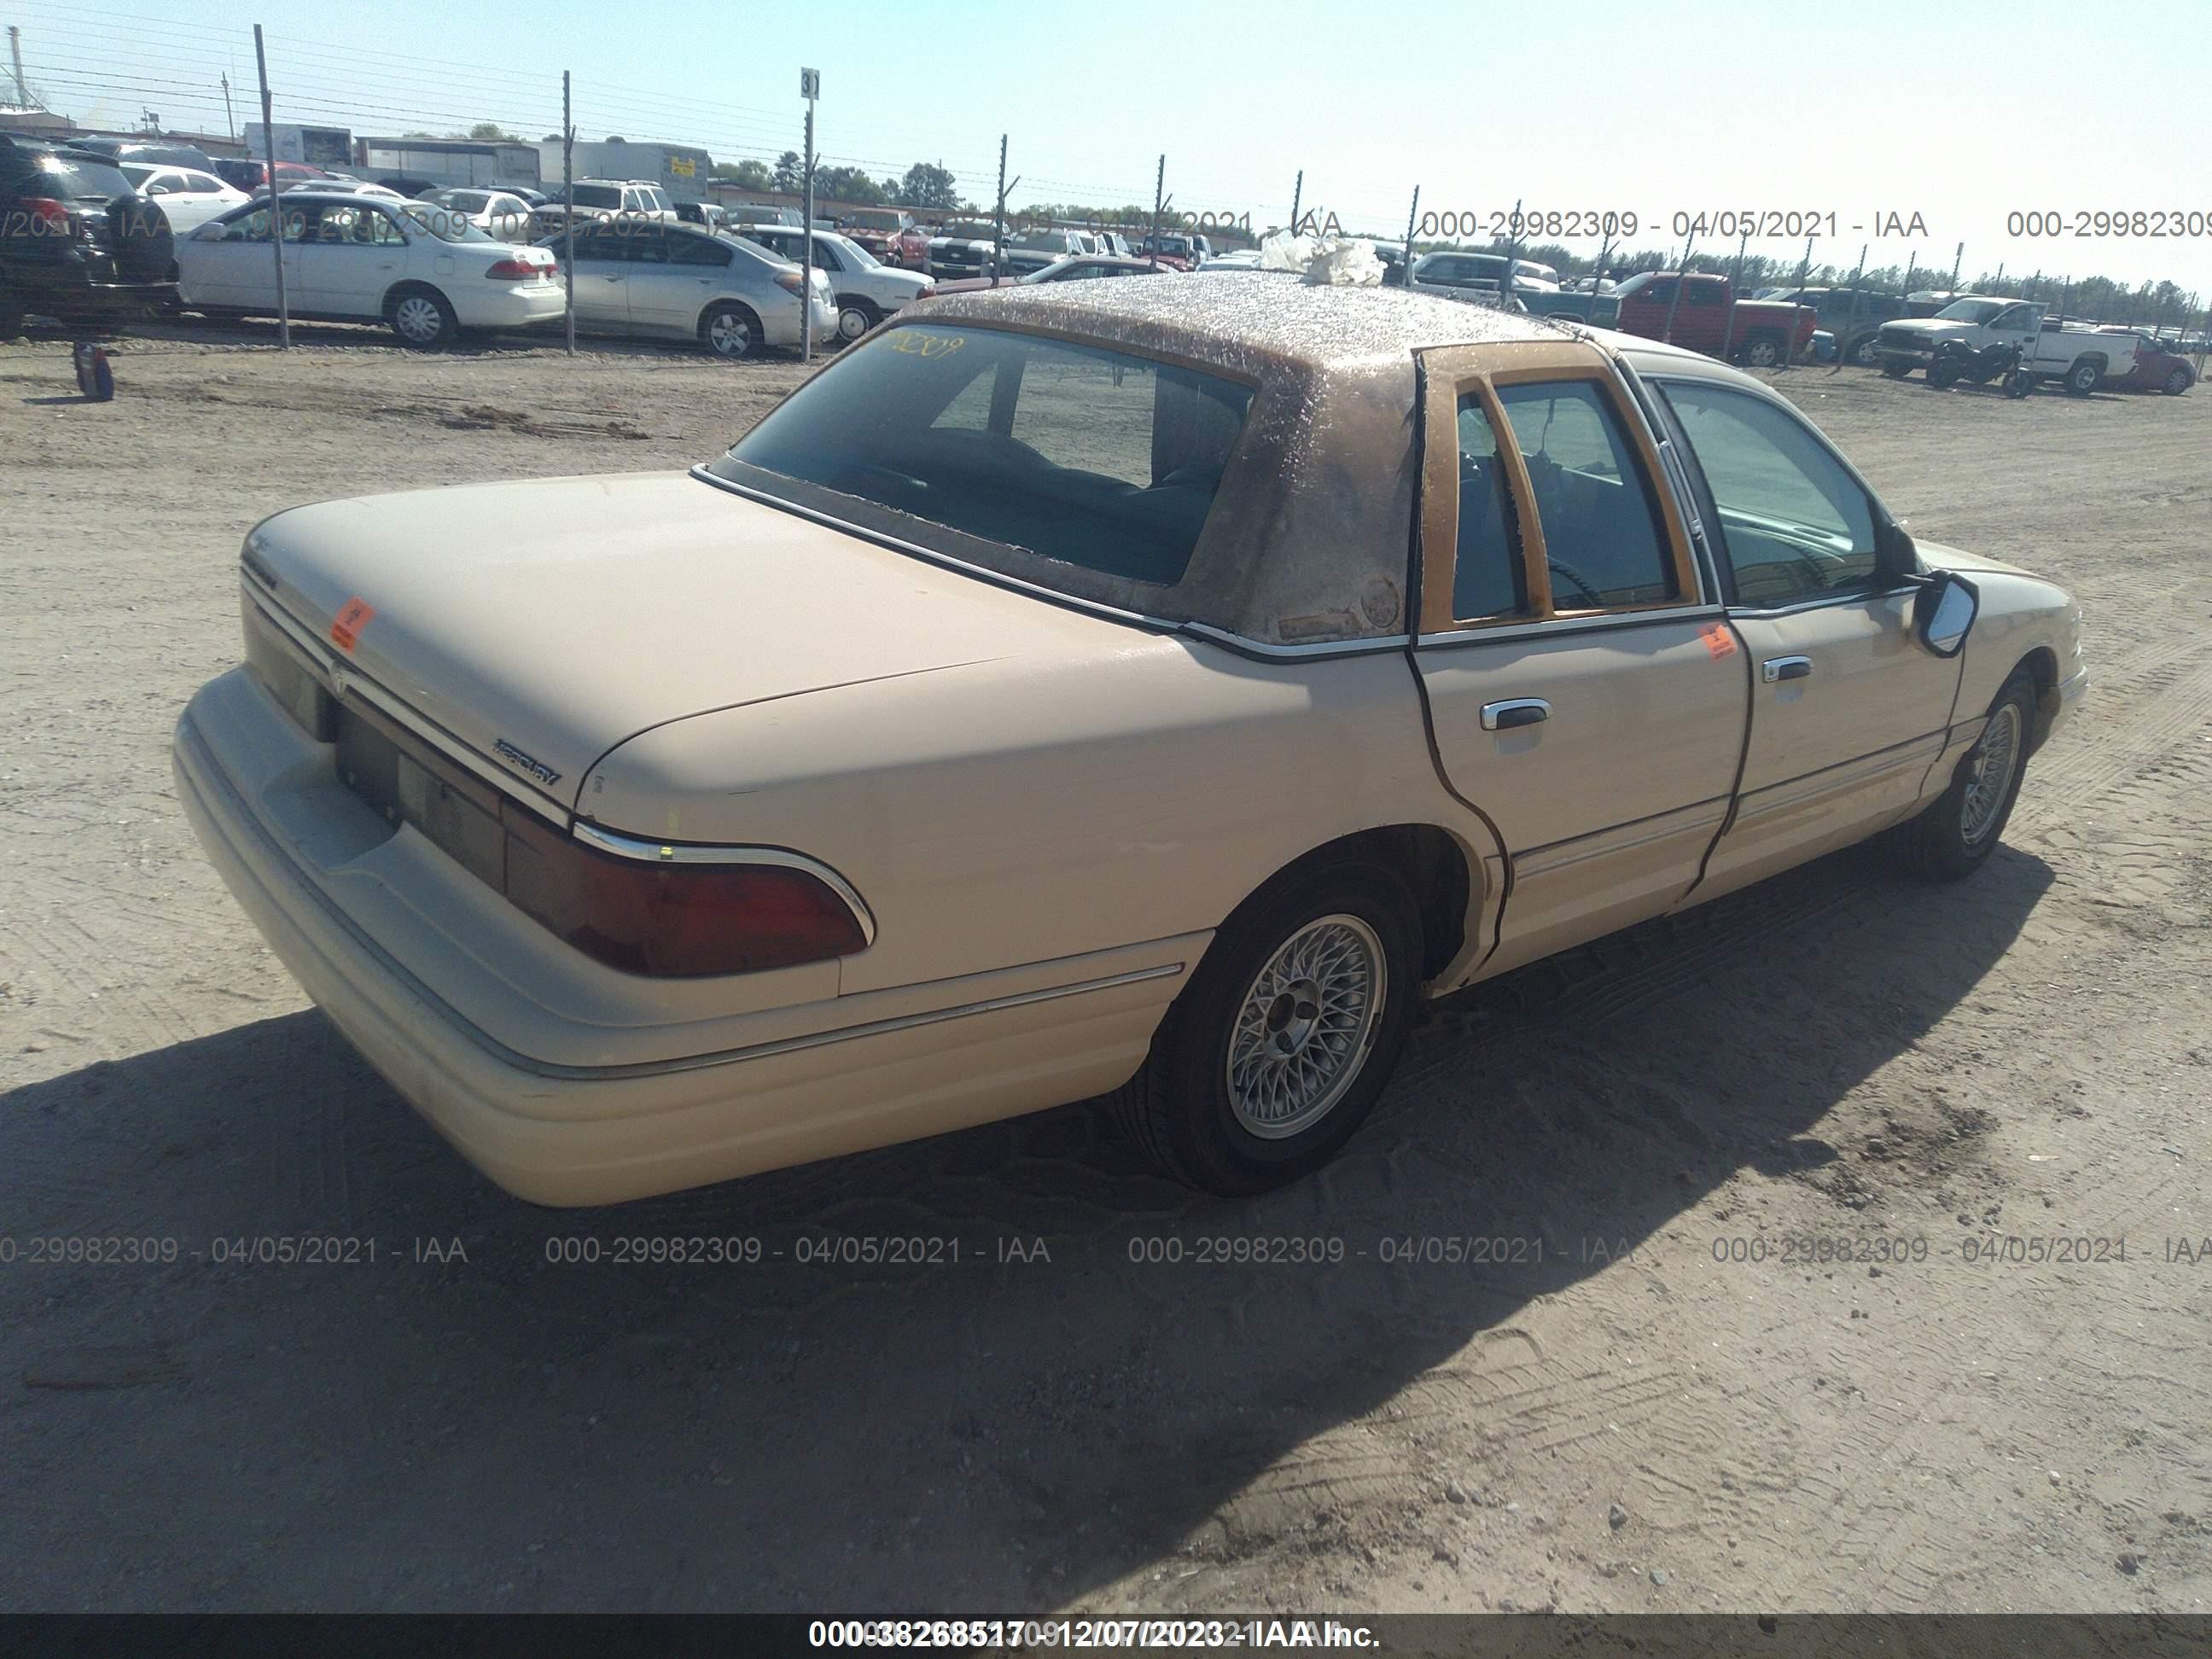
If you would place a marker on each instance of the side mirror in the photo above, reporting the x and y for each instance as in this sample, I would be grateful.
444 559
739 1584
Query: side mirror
1943 613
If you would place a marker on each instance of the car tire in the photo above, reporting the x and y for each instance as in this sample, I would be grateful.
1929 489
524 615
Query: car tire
2084 377
11 316
855 316
1760 351
1897 371
2176 383
1326 963
422 317
730 330
1954 835
1865 352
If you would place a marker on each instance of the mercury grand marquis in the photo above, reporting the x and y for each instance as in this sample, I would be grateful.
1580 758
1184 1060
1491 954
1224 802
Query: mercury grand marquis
1150 689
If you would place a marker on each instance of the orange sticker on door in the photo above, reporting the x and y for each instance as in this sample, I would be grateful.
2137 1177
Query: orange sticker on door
1719 642
346 626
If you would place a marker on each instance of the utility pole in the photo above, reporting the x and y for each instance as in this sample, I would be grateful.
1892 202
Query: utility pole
809 88
16 55
229 116
569 219
276 207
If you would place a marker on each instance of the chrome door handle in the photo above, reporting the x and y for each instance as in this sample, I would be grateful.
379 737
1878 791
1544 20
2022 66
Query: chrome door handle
1785 668
1514 711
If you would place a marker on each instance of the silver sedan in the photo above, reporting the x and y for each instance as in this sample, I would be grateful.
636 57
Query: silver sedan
659 281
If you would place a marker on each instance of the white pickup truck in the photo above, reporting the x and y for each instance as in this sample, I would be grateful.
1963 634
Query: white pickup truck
2077 355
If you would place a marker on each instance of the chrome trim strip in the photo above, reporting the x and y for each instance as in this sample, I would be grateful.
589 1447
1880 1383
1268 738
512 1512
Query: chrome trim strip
204 772
1252 648
1553 627
1861 771
1699 817
677 851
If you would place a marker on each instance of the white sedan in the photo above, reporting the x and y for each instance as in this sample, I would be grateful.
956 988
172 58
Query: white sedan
358 258
188 197
498 214
867 289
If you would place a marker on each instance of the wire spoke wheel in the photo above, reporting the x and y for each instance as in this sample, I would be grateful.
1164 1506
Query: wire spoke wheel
1990 777
1306 1026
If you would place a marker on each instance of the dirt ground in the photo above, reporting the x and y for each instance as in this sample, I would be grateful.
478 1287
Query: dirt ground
1084 1412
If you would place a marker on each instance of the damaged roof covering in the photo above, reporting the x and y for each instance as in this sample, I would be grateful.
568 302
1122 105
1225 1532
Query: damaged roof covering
1310 537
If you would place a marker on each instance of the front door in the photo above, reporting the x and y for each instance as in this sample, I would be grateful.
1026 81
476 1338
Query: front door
1585 694
1849 710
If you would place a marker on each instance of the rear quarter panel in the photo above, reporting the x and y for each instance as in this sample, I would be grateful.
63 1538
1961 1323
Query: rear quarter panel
1000 814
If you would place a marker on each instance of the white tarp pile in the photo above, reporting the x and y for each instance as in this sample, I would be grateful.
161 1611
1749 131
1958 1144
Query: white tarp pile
1324 261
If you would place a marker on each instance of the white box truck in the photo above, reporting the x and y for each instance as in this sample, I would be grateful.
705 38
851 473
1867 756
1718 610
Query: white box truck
684 171
329 148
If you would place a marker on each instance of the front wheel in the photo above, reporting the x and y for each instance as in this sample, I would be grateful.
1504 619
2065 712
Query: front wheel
1959 829
1896 370
1943 374
422 318
1283 1038
1866 351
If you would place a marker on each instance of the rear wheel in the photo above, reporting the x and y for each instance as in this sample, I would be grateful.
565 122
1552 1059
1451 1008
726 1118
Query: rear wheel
855 316
1760 351
1286 1036
2082 379
2176 383
422 318
1960 828
1943 374
730 330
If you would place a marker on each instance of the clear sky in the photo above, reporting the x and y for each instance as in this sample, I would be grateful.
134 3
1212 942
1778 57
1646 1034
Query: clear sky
1961 113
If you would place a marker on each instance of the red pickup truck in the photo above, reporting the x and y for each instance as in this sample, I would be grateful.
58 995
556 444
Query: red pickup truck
1759 335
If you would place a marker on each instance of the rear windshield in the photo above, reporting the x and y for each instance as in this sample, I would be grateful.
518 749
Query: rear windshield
1093 458
81 178
598 196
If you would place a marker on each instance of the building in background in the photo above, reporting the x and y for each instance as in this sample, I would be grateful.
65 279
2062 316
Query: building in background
411 166
685 170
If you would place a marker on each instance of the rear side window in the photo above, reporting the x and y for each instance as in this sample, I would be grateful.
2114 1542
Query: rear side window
1488 577
1095 458
697 251
1601 534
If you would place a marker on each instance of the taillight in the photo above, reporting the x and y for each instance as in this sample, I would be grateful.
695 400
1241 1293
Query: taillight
790 281
50 217
926 291
515 270
667 916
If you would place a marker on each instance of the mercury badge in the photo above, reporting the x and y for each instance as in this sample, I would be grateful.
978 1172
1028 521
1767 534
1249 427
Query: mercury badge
530 764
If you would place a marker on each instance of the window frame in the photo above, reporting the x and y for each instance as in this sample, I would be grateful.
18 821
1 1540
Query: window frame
1452 372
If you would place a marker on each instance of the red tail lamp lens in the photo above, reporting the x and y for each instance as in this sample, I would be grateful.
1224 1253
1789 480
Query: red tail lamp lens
670 919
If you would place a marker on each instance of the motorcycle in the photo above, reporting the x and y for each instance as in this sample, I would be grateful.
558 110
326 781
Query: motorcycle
2000 361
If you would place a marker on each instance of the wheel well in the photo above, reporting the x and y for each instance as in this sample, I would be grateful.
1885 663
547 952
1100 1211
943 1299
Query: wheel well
391 295
1434 866
2041 665
713 305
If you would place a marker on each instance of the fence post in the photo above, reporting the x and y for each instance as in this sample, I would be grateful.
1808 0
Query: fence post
1297 194
808 84
1727 328
569 219
275 211
1160 206
1850 321
998 217
1674 300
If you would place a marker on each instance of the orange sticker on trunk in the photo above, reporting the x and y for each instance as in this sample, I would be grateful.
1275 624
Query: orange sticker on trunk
346 626
1719 642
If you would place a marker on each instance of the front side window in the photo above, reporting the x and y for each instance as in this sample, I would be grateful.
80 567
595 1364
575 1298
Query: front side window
1601 532
1795 524
1098 459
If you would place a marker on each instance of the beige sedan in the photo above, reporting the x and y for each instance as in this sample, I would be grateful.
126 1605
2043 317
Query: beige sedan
1154 689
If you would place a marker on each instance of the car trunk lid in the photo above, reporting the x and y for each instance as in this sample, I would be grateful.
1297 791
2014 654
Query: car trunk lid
539 624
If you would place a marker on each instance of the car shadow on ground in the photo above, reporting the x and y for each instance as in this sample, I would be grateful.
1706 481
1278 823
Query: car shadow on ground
1087 1372
189 329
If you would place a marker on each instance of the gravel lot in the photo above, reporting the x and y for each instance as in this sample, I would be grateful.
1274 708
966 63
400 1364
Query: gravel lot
1626 1423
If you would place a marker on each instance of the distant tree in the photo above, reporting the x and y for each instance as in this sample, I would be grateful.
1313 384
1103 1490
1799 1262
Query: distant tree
490 132
850 184
418 133
930 187
745 175
615 138
790 172
551 138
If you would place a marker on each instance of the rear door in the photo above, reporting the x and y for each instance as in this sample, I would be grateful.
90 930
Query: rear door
670 279
1849 710
1585 691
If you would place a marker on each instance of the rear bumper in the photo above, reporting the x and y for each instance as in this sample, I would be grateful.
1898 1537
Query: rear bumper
837 1075
506 305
